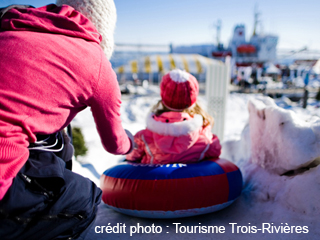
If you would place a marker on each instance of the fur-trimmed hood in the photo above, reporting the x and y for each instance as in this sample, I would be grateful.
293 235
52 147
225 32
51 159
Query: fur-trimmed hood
174 132
174 123
174 137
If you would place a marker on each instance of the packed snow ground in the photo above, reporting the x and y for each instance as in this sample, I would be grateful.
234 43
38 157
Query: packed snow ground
281 189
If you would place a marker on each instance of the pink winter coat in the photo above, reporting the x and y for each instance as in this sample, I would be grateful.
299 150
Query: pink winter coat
174 137
52 67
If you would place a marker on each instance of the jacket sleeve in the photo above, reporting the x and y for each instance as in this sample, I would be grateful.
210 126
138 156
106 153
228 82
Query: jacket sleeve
105 106
214 150
138 151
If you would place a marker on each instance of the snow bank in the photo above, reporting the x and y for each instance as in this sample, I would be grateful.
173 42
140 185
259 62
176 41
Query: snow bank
280 141
278 153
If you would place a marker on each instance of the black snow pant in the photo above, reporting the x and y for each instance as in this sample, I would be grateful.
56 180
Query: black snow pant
47 201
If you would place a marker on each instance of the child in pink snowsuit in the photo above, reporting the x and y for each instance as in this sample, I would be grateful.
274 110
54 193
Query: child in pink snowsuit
178 129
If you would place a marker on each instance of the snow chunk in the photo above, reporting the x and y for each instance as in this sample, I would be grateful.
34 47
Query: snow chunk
280 141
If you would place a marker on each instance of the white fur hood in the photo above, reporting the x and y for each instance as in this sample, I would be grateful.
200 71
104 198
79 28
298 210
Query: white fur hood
174 127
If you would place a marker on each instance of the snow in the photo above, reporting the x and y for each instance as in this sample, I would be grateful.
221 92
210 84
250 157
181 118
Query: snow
281 189
274 131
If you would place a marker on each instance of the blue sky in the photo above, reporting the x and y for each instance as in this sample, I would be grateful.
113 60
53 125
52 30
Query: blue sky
297 23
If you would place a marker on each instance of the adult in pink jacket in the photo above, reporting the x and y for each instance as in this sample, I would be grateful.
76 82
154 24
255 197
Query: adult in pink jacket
54 64
178 130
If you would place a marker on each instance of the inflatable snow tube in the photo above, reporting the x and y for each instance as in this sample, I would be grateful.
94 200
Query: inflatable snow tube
172 190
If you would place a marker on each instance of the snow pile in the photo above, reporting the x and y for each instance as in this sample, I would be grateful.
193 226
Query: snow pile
278 153
280 141
296 195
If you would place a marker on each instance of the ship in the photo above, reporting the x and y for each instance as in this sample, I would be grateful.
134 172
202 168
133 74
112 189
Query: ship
260 49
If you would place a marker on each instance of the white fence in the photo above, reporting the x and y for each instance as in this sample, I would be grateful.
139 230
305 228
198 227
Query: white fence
217 81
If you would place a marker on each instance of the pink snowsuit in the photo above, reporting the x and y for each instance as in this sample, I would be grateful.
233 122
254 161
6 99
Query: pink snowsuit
174 137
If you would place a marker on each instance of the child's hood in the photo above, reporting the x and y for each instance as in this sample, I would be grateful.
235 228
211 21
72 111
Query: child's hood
174 132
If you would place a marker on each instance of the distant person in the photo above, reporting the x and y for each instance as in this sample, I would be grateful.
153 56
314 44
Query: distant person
178 129
54 64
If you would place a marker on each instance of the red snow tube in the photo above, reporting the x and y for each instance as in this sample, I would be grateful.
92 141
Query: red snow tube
172 190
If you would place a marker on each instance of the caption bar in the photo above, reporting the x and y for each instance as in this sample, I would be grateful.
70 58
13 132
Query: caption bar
179 228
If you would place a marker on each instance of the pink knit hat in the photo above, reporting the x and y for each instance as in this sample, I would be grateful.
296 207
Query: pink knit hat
179 90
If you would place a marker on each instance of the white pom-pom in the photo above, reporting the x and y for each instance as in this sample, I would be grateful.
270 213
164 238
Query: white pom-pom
179 76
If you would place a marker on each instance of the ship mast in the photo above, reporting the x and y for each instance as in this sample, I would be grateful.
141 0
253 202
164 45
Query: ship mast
218 27
256 21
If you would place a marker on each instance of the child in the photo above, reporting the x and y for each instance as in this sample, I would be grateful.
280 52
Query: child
178 129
